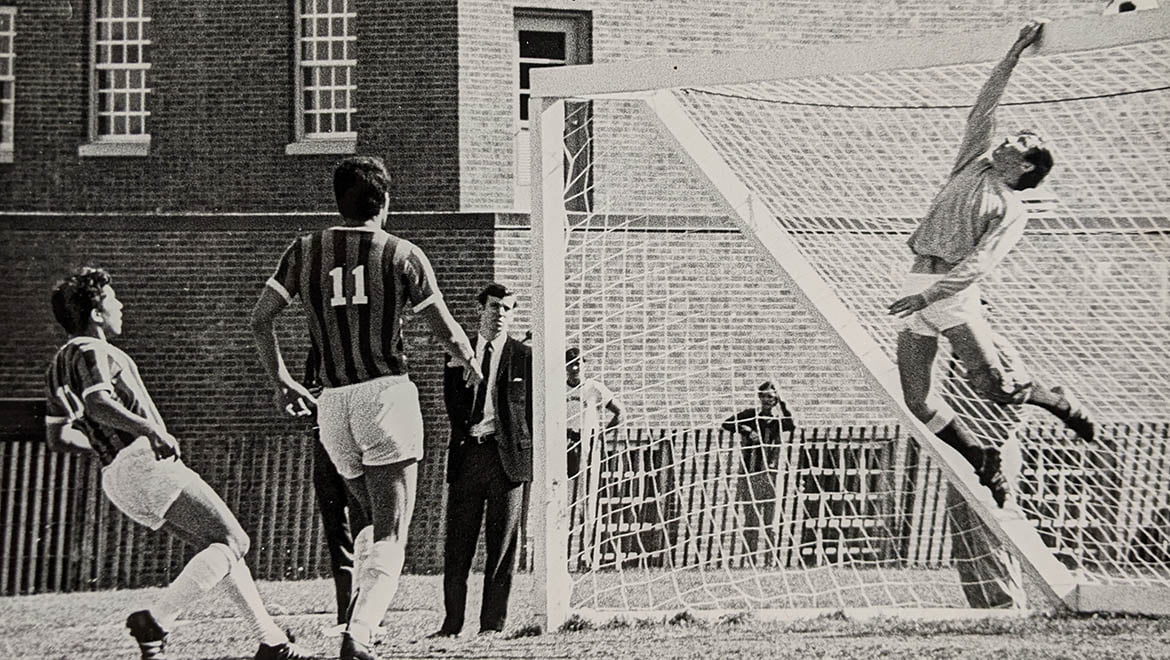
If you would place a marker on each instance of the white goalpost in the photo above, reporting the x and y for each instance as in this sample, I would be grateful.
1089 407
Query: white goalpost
700 225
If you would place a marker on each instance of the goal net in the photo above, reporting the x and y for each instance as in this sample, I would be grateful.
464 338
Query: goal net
696 241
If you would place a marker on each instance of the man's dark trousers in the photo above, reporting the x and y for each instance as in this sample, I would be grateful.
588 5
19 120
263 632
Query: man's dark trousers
481 486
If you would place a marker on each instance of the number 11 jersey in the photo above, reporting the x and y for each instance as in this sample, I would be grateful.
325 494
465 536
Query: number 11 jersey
355 284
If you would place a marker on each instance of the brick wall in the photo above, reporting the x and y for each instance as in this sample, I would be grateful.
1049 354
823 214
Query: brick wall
222 111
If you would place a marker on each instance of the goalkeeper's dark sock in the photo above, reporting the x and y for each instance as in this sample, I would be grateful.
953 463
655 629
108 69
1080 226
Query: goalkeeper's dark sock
985 459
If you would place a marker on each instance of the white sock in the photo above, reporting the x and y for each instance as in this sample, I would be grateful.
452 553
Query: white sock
205 570
241 588
380 575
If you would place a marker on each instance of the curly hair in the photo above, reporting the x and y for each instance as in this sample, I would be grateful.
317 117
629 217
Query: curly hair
77 295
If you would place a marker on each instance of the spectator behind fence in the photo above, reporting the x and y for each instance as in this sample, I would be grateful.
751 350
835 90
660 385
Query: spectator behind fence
759 429
585 400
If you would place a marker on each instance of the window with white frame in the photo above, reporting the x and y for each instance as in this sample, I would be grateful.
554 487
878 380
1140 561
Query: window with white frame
119 81
7 83
326 84
547 38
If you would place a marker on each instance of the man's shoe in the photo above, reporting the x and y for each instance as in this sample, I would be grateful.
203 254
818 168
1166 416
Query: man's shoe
1078 419
285 651
489 634
151 638
351 649
442 633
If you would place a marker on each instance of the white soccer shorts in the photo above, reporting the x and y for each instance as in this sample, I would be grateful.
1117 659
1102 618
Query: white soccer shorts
143 487
377 422
963 307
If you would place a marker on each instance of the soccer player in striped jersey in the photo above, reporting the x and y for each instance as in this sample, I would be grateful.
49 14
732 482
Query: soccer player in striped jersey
98 403
973 222
356 282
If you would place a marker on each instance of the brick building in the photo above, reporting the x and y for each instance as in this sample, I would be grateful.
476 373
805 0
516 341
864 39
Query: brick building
181 144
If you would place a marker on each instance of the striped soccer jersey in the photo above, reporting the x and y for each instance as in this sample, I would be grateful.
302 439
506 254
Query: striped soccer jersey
355 284
88 364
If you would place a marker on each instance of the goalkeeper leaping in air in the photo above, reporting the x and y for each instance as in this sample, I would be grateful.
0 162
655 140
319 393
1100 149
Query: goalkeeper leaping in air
973 222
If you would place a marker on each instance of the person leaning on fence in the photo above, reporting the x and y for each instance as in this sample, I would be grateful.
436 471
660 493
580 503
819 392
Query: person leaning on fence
760 429
98 403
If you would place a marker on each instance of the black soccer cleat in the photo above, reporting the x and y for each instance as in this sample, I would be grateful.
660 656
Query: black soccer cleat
351 649
285 651
151 638
989 468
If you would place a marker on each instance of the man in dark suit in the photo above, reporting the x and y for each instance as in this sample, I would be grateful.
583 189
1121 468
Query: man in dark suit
489 465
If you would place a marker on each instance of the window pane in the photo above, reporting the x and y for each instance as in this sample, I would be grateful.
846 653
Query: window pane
338 6
136 127
5 22
136 103
322 27
4 67
117 54
542 45
308 51
338 50
322 6
120 102
105 127
133 54
523 107
118 31
338 27
119 125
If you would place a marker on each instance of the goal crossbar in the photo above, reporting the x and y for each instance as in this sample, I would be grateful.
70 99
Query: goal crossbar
1065 36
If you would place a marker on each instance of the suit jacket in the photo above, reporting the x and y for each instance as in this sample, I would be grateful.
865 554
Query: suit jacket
512 399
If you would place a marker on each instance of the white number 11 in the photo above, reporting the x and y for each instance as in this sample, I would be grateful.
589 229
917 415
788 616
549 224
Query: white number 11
359 287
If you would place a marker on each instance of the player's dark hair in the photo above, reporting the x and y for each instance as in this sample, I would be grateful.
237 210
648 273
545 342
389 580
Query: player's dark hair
572 355
494 289
1041 160
360 184
766 386
76 296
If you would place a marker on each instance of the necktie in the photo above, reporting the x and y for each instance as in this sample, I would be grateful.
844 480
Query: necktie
481 391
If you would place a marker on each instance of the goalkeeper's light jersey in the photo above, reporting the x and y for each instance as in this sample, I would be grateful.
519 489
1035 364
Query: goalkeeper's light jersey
973 223
85 365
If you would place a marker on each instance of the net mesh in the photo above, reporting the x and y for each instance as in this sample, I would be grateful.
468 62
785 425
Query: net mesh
676 314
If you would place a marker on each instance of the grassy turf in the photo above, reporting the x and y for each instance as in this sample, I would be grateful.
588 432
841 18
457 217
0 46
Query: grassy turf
89 625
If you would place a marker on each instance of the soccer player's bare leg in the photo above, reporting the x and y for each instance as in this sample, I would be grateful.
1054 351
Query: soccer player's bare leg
388 492
200 516
975 346
916 355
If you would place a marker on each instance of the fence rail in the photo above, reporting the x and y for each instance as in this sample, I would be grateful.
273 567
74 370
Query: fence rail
661 497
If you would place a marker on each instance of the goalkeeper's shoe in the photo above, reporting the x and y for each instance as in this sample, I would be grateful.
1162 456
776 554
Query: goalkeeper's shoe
151 638
989 468
1077 417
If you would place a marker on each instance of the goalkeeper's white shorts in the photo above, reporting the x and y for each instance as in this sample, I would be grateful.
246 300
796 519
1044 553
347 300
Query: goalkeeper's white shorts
962 308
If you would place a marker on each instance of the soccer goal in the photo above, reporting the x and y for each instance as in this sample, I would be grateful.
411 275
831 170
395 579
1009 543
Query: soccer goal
702 225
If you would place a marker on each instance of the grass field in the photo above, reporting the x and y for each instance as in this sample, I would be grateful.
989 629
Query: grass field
89 626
